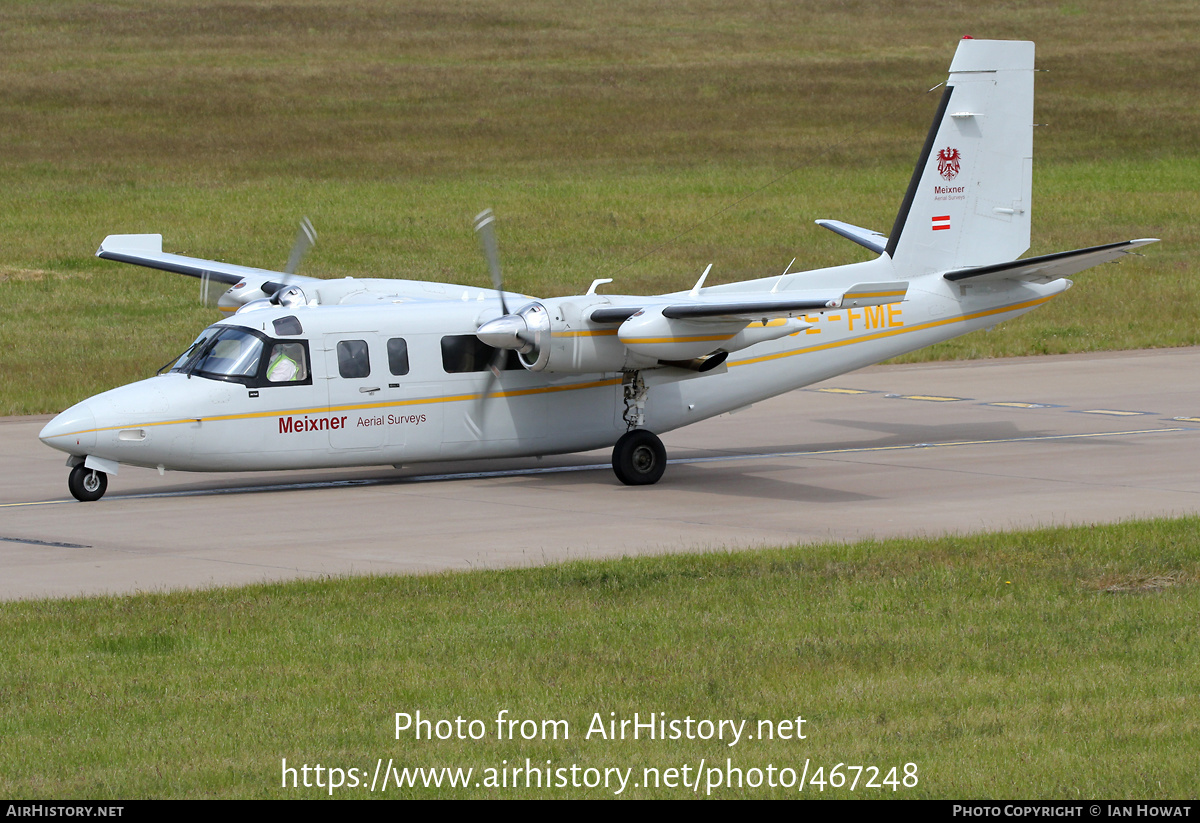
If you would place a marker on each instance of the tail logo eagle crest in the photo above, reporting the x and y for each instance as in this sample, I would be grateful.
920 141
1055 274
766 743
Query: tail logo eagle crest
949 163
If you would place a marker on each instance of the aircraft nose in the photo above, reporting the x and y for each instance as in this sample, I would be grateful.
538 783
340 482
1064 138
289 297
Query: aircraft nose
73 431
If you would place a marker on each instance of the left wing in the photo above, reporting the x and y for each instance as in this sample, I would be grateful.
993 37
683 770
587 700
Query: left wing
146 250
246 284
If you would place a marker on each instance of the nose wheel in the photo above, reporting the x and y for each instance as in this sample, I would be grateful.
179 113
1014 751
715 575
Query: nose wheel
639 458
87 484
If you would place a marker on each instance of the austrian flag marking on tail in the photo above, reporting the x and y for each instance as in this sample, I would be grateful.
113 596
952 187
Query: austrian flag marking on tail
941 222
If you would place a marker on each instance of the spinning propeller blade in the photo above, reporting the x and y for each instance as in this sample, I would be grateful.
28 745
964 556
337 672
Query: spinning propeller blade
485 223
283 293
305 238
211 290
475 419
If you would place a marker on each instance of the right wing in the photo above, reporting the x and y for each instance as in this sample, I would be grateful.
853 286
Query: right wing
761 305
1049 266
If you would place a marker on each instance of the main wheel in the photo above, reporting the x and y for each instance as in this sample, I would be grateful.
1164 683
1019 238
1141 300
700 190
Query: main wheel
639 458
87 484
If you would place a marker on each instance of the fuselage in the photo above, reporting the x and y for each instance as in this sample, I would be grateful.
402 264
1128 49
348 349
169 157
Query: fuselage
391 384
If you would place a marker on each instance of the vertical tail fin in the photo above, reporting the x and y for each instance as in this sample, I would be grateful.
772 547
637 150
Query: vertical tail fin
968 203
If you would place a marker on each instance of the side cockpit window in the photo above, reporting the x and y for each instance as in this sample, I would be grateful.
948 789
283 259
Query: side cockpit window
287 363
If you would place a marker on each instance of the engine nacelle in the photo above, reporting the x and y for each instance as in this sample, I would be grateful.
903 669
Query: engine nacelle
562 339
650 334
559 336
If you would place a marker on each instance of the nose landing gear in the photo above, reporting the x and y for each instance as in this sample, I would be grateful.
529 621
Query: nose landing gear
86 484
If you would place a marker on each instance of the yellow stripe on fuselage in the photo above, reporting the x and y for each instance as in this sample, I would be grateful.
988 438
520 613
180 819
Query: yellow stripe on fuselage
879 335
585 333
420 401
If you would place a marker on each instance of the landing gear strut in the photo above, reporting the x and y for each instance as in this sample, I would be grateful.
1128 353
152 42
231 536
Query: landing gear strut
639 458
87 484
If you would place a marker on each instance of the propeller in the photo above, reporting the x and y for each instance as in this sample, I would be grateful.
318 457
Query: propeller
211 289
523 331
285 294
509 330
305 238
500 331
485 229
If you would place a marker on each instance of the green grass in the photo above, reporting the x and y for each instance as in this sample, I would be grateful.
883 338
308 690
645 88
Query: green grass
623 140
1053 663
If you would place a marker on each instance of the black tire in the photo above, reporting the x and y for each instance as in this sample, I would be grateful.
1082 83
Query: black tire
87 485
639 458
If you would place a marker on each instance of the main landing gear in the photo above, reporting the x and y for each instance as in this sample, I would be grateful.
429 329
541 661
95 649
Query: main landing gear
639 458
86 484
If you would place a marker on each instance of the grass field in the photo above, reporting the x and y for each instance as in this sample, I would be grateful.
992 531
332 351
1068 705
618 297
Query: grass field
634 140
1056 663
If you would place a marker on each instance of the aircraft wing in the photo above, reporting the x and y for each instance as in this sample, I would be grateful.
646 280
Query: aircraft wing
761 306
1049 266
146 250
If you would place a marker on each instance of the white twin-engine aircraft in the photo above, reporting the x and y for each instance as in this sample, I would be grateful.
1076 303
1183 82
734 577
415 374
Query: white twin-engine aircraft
312 373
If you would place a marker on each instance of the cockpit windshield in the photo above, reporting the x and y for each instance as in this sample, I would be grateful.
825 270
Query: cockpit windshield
190 352
222 351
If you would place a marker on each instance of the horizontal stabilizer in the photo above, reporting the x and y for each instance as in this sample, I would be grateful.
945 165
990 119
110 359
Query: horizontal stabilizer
1049 267
866 238
146 250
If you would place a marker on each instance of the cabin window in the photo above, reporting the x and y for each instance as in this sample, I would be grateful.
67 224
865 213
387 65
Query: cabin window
397 351
466 353
353 359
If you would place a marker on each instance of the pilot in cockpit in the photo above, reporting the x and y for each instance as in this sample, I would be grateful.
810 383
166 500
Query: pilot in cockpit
286 364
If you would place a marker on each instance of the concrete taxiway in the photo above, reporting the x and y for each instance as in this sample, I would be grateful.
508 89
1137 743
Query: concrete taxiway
894 450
